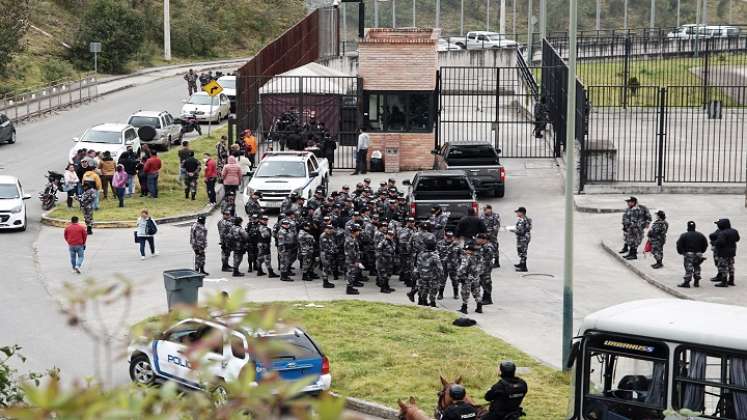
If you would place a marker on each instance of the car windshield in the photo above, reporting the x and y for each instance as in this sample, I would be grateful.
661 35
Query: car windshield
201 100
443 184
9 191
281 169
290 346
98 136
495 37
227 83
480 155
144 121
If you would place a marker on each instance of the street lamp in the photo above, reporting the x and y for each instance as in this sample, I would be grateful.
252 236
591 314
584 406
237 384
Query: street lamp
166 31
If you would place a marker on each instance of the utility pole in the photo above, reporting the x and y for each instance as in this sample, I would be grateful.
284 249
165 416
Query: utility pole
625 15
570 174
530 32
376 13
543 20
438 13
461 20
394 14
513 24
705 12
652 22
598 25
166 31
413 14
487 15
502 17
678 13
344 25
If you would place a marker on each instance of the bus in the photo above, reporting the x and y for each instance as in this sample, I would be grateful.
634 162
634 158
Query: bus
661 359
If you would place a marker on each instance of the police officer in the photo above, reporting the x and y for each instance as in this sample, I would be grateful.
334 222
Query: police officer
252 205
239 242
691 245
229 203
198 241
439 219
385 249
353 260
224 229
87 200
486 257
263 248
469 276
523 231
635 220
506 396
492 222
306 244
328 254
289 203
284 243
429 272
657 234
252 231
445 253
724 241
404 250
459 409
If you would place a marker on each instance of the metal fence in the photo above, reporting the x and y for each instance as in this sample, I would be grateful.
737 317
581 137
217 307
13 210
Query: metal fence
57 96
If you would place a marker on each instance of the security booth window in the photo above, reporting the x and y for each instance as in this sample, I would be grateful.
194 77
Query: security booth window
399 112
624 377
710 381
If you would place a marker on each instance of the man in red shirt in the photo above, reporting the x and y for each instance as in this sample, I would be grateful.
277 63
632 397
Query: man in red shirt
211 174
75 236
152 168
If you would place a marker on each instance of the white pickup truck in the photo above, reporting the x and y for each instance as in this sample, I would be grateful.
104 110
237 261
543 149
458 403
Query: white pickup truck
482 39
281 173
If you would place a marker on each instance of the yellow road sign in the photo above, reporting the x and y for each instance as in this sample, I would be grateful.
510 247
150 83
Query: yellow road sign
212 88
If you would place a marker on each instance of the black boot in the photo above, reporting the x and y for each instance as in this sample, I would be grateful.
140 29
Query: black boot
327 284
386 286
632 255
251 266
260 272
384 289
487 299
433 303
89 230
237 273
422 300
202 270
456 292
723 283
624 250
696 282
194 194
441 293
479 308
335 275
186 194
225 268
306 277
497 263
272 274
731 280
717 278
522 268
70 202
463 309
314 276
284 276
411 296
685 284
657 265
352 291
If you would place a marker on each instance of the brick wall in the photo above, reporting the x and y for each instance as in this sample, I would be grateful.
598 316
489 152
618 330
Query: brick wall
414 150
398 59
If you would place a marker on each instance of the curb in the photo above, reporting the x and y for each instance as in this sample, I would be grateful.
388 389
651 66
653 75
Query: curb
120 224
371 408
597 210
644 276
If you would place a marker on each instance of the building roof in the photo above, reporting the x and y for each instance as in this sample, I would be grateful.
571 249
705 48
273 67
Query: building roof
401 36
288 82
686 321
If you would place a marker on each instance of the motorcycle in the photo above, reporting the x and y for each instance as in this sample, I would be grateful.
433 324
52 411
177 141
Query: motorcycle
48 197
189 123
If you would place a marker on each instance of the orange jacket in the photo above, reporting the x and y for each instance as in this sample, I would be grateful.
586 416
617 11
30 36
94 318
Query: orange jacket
250 144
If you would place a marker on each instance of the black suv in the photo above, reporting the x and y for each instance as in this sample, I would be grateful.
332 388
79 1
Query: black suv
7 130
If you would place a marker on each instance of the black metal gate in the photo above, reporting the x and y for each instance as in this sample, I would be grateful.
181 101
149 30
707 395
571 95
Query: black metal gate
493 105
286 109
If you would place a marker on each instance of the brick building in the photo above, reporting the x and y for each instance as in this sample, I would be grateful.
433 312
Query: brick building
398 69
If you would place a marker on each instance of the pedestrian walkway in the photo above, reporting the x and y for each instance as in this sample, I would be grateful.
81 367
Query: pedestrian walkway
679 208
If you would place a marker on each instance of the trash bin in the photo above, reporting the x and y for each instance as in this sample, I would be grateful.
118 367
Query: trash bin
377 162
181 286
714 110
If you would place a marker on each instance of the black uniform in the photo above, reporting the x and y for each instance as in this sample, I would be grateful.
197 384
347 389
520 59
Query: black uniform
505 397
459 410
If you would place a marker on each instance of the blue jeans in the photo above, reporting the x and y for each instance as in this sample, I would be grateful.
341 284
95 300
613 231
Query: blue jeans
130 184
153 185
120 192
151 242
96 200
76 255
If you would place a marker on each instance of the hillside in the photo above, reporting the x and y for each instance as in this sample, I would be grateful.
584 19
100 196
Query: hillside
199 30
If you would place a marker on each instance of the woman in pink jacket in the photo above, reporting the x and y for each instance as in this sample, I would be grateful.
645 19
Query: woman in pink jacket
119 183
231 176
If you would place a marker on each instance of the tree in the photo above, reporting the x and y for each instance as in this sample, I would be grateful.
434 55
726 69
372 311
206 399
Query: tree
117 27
14 22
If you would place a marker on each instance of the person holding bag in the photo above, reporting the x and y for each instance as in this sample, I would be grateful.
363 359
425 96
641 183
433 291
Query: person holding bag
146 232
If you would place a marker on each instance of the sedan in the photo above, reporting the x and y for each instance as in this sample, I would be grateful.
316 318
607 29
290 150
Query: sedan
207 108
12 207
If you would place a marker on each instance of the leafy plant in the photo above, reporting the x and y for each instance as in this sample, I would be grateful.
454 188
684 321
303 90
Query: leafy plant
11 390
14 22
53 70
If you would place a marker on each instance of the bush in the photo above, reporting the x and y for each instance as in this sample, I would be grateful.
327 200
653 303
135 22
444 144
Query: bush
13 26
53 70
192 37
117 27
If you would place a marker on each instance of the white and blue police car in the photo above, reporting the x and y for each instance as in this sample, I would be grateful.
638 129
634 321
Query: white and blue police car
165 358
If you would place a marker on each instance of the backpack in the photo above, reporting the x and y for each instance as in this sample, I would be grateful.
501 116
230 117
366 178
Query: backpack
150 227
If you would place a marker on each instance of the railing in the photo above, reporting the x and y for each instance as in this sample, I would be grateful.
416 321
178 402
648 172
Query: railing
31 104
527 76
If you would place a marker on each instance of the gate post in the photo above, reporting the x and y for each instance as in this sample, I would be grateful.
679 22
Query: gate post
661 135
436 118
626 72
497 106
706 61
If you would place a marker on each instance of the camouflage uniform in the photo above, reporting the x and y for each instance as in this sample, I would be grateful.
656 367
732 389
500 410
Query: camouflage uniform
469 277
252 207
228 206
692 261
404 250
252 244
339 267
384 261
634 221
284 243
198 241
486 257
263 248
224 228
307 245
87 200
239 241
352 259
429 272
492 226
523 236
327 254
657 234
439 222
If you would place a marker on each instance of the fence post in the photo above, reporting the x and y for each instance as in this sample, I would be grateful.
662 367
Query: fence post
497 106
436 117
706 63
626 72
661 135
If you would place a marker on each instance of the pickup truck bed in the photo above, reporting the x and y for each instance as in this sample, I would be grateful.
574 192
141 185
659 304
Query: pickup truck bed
450 190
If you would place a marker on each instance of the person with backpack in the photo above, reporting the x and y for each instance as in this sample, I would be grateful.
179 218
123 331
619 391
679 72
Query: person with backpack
146 232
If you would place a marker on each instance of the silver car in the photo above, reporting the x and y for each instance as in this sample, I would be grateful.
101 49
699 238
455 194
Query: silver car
167 131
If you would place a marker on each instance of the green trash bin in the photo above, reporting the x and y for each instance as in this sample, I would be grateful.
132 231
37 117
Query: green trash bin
181 286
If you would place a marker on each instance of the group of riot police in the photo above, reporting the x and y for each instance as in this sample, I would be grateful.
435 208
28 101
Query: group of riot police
363 233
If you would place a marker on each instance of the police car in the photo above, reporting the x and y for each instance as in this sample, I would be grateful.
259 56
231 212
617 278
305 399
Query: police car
166 358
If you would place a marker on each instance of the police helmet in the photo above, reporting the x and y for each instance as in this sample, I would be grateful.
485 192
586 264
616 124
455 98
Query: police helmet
367 180
449 234
345 187
457 392
201 219
508 369
430 245
238 221
257 194
285 222
355 227
390 232
255 216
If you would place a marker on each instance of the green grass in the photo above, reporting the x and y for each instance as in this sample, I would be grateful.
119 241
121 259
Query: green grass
170 201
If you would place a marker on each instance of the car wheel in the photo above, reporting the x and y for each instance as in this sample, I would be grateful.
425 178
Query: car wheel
12 138
25 223
500 192
141 371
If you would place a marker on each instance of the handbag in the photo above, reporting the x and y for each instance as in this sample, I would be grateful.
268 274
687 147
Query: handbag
137 238
648 247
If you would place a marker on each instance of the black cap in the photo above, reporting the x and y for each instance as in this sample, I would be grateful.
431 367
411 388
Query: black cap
382 183
367 180
435 209
691 224
631 198
201 219
522 210
294 194
356 213
285 222
264 217
450 234
481 236
289 212
355 227
345 187
392 180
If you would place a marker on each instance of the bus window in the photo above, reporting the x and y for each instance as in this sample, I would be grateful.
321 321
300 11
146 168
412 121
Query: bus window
624 385
709 382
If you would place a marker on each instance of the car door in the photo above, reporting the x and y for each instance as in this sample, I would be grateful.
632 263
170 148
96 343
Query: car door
170 351
174 130
225 104
5 128
130 135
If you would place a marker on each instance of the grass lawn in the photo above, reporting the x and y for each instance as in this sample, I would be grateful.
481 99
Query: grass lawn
170 201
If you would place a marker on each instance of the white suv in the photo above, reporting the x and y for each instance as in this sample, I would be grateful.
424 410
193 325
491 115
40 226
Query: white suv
167 131
12 207
110 137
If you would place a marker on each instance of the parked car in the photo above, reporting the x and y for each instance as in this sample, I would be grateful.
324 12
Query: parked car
449 45
167 131
7 130
484 39
689 31
281 173
451 190
12 206
112 137
207 108
479 160
228 83
294 354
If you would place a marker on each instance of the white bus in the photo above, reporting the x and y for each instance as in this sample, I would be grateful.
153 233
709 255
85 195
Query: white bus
661 359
